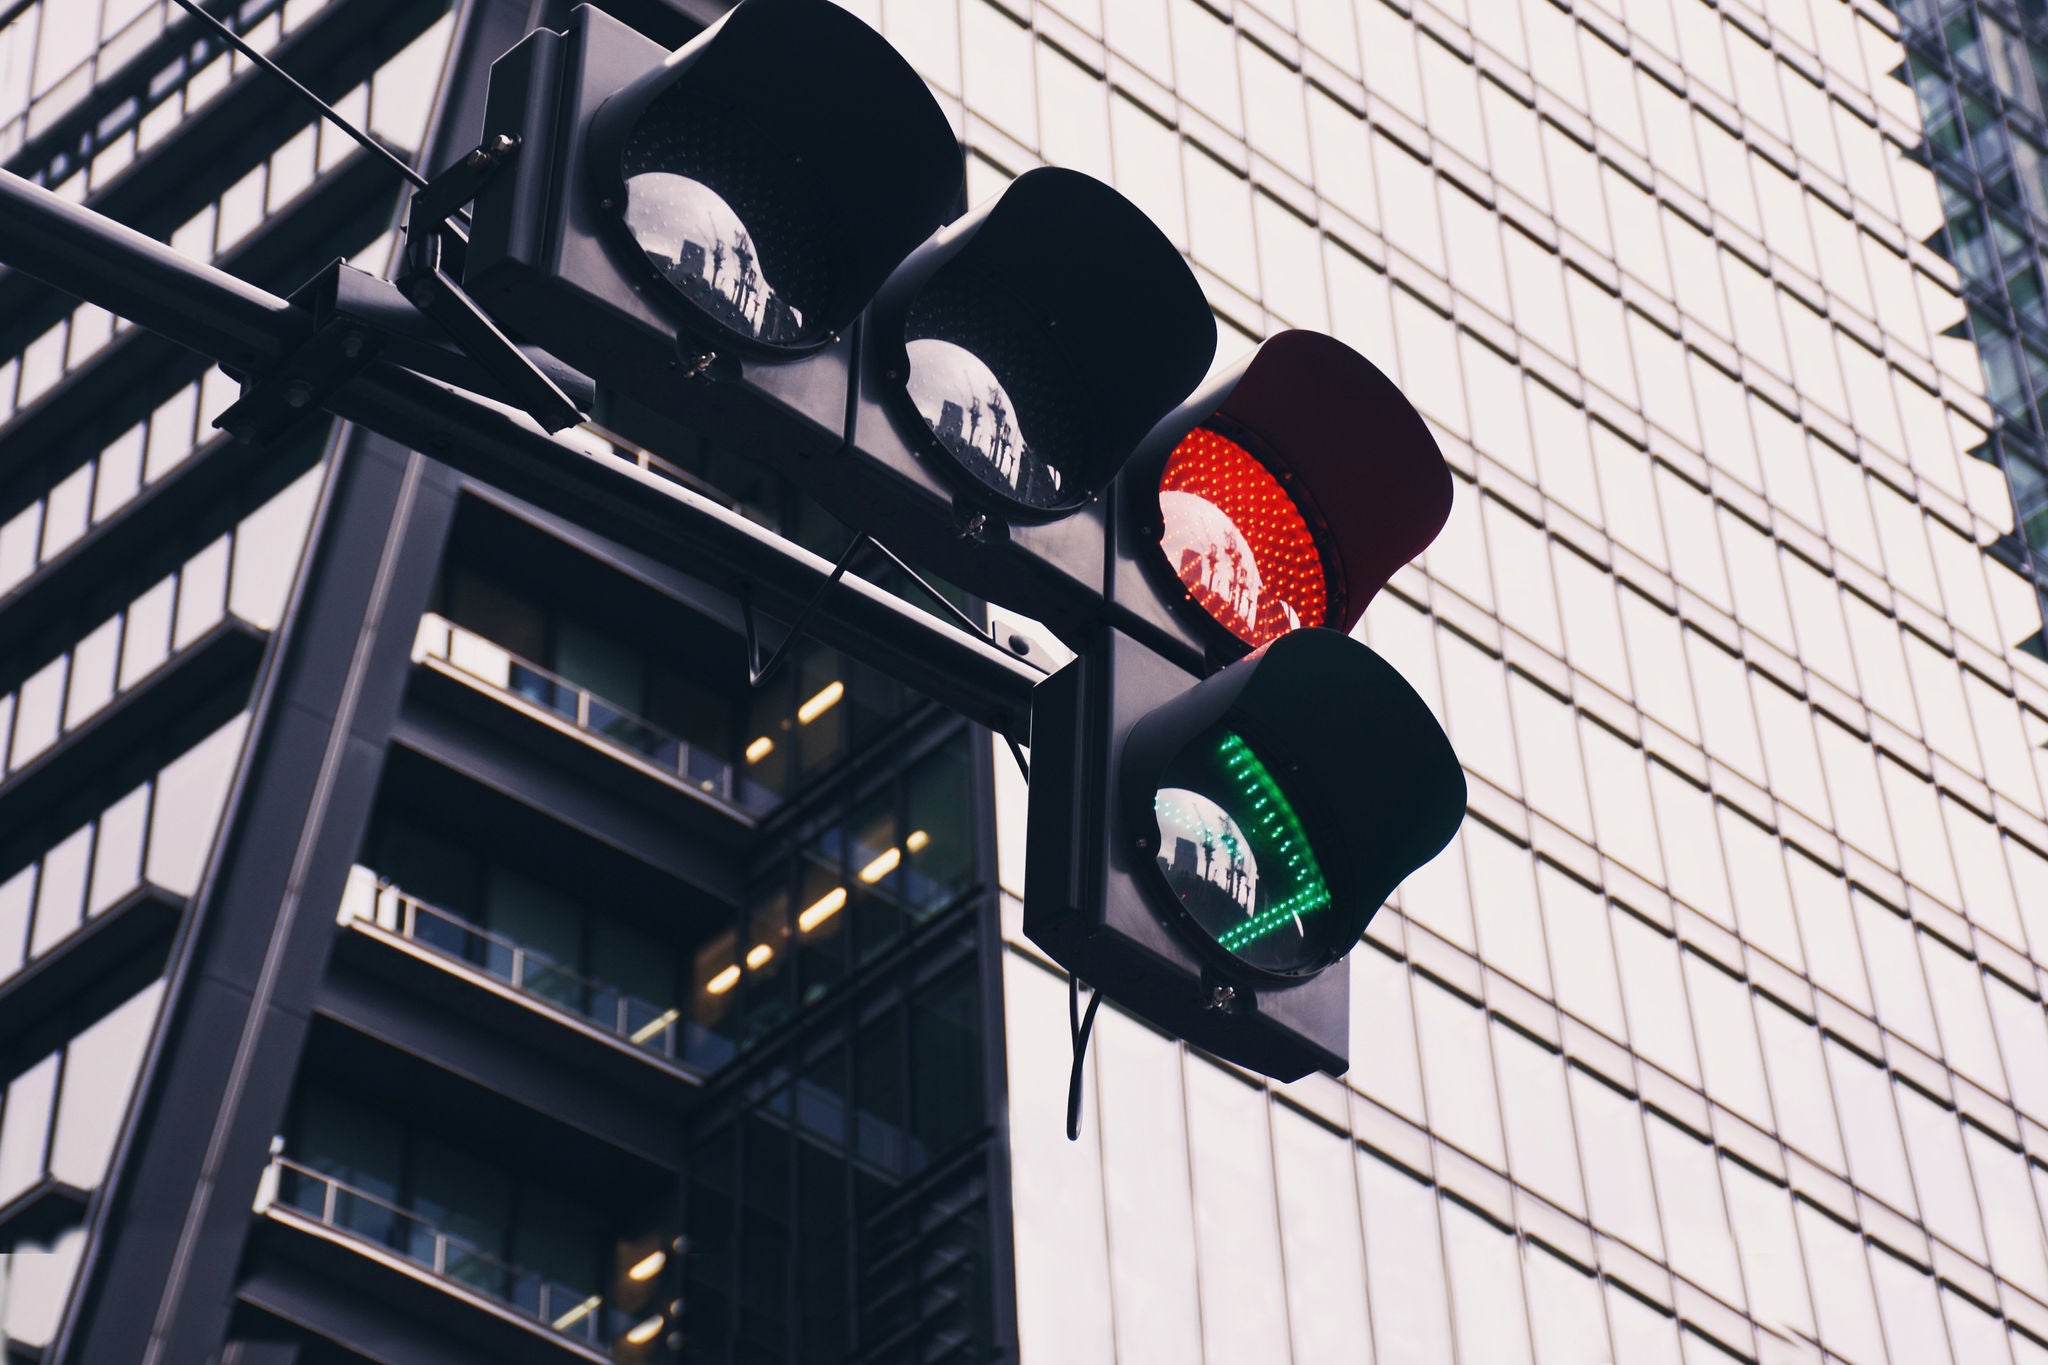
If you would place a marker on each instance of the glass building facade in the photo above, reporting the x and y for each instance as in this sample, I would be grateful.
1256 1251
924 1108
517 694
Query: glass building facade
1718 1031
1977 69
633 1013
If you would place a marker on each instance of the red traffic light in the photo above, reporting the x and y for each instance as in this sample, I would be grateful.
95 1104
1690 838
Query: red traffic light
1283 495
1237 540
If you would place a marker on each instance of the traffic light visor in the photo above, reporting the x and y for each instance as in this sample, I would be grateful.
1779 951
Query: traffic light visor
1292 488
774 171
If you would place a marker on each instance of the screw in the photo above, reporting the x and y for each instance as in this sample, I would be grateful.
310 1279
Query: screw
605 204
1144 844
298 394
1221 997
888 374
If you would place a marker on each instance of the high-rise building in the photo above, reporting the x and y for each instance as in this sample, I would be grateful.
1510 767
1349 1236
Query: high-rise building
1978 71
1718 1030
538 990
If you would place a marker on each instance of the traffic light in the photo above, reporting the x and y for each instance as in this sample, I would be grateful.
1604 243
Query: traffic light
744 238
1009 367
700 230
748 239
1224 788
1284 494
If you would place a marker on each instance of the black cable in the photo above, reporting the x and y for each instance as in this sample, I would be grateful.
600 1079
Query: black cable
1081 1025
191 7
1017 752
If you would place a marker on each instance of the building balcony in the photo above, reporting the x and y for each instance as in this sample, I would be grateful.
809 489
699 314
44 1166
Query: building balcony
373 904
463 656
357 1240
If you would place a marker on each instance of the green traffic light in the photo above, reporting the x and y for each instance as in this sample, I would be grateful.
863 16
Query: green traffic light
1235 854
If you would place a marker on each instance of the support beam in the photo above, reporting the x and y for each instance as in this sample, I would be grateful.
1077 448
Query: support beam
245 328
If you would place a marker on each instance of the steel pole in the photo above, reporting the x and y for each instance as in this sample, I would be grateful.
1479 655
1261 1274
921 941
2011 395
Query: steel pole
245 328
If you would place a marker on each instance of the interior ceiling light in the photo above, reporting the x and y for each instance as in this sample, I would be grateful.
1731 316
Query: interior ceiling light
724 981
648 1266
645 1332
881 867
760 749
758 955
648 1030
827 698
822 909
917 840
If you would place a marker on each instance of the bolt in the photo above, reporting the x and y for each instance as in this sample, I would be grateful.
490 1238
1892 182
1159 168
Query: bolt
1221 997
478 160
501 143
888 374
298 394
699 364
605 204
976 526
1144 844
352 344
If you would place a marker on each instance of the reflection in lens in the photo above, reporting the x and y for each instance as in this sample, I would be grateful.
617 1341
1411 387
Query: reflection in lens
701 247
970 412
1235 855
1238 541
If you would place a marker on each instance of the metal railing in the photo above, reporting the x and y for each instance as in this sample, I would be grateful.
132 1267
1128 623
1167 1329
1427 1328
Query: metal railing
498 668
574 1312
640 1022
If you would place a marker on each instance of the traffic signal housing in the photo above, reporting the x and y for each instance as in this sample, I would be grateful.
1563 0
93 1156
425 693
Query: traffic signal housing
1201 852
1225 785
701 229
1008 369
744 239
1284 494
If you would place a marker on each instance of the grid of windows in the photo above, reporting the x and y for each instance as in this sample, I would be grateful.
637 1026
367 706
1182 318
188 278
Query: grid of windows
1718 1030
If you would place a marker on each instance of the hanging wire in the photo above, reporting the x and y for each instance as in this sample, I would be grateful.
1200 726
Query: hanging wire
326 111
1081 1025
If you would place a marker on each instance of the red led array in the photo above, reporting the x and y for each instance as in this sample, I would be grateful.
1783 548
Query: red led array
1284 585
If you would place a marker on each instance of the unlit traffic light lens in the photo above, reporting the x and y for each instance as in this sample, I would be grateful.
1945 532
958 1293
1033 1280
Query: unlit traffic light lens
990 377
698 243
1238 541
1235 855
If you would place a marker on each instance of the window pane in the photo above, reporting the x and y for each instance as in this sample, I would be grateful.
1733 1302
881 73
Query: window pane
99 1071
1236 1223
1486 1288
25 1127
1404 1263
1617 1165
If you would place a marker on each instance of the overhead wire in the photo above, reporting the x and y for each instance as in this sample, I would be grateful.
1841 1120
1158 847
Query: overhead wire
327 111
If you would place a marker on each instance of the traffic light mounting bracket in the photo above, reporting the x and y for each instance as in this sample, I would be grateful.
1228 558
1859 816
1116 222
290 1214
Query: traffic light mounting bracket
434 248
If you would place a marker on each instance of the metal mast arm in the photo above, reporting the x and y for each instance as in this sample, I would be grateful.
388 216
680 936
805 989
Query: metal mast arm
246 329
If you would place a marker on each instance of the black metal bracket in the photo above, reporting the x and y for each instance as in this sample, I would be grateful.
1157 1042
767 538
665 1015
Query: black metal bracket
350 318
431 240
758 671
335 345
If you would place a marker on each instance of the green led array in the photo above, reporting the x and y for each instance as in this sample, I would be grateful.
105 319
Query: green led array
1275 828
